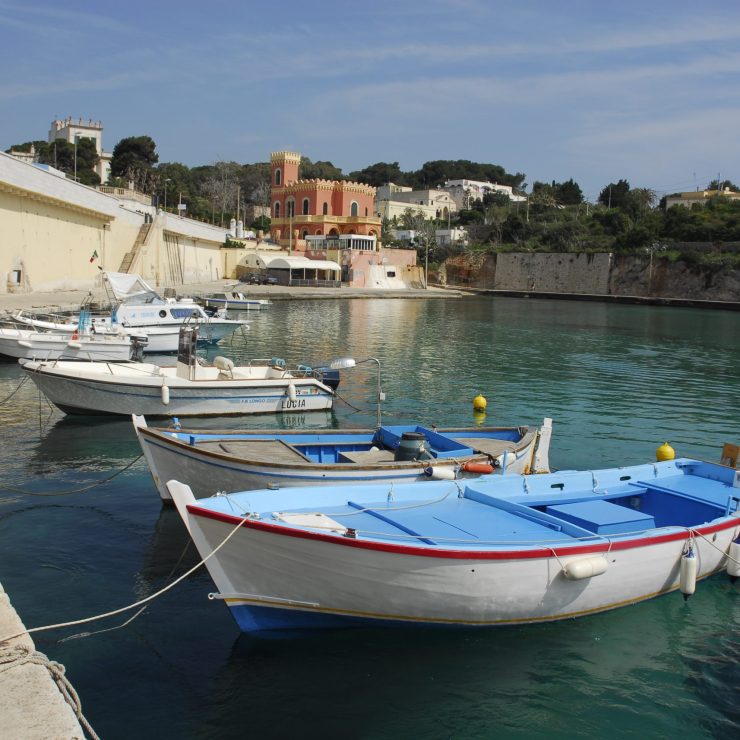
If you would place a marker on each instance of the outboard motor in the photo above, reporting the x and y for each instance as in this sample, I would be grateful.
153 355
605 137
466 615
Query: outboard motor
138 342
328 376
411 447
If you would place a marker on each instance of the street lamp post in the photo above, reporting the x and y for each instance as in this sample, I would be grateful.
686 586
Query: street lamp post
342 363
426 263
165 194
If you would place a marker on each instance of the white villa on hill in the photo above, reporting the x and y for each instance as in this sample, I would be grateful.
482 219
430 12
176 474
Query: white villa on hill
465 192
699 196
393 200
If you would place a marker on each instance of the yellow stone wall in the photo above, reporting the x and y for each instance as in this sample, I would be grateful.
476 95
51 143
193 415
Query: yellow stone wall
51 243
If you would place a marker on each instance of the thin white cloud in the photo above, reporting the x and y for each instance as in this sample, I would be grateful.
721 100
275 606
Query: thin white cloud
74 19
68 85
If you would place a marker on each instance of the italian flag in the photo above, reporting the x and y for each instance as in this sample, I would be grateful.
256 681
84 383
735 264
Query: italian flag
94 256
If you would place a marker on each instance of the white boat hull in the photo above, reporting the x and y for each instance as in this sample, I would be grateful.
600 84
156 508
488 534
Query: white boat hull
282 581
162 337
24 344
137 388
207 472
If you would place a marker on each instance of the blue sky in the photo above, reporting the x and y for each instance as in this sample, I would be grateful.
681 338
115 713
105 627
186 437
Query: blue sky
646 91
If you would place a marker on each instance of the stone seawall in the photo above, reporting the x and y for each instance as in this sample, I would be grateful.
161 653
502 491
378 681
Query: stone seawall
589 274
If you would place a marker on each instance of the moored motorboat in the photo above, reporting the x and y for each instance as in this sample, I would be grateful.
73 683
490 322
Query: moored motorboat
185 389
138 309
234 300
18 343
221 460
497 550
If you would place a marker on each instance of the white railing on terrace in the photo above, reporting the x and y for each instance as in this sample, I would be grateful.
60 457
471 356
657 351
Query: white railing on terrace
126 193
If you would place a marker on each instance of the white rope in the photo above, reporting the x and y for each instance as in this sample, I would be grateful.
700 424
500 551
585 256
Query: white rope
18 655
694 533
136 604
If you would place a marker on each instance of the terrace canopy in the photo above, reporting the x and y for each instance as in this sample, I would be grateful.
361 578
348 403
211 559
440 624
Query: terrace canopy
302 270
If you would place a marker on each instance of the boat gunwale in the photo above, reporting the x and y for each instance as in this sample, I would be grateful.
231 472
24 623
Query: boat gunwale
45 369
158 435
606 544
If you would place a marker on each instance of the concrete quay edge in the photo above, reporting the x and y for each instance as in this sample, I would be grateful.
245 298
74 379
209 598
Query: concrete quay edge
72 299
31 705
610 298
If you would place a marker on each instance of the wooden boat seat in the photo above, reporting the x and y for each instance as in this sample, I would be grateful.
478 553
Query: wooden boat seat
493 447
269 450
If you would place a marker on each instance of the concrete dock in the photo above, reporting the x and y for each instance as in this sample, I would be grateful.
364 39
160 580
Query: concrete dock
71 299
32 706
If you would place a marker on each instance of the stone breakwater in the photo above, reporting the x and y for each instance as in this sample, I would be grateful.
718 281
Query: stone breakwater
605 274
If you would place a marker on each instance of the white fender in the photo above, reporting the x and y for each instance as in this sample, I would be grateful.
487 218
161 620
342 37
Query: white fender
165 394
687 575
223 363
576 570
74 344
435 472
291 392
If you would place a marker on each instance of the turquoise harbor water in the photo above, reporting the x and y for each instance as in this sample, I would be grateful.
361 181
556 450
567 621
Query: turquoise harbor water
617 380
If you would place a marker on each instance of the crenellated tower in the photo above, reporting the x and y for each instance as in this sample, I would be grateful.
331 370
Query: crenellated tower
284 166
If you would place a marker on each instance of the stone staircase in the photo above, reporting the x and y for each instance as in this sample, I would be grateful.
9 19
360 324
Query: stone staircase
129 257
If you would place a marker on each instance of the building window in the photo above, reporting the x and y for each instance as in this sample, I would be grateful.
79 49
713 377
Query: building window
354 209
305 233
305 207
290 208
325 209
366 210
278 177
277 209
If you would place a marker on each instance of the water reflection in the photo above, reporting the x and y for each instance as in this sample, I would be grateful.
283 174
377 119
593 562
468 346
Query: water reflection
618 381
507 679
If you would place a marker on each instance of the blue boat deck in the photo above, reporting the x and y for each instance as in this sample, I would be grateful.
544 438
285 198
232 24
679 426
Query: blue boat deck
506 510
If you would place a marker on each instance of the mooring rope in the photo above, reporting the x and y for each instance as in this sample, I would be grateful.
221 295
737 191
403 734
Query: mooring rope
136 604
174 568
20 385
18 655
694 533
100 482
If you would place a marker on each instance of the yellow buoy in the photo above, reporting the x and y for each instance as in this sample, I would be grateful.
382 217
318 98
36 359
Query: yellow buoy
479 403
665 452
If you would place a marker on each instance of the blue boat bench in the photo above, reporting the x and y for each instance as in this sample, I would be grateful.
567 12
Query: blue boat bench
439 445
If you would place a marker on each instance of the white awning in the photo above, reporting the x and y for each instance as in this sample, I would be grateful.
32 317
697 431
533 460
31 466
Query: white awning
299 263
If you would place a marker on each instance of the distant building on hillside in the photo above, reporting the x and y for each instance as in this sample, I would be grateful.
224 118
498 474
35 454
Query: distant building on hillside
317 207
335 221
72 130
466 192
699 196
392 201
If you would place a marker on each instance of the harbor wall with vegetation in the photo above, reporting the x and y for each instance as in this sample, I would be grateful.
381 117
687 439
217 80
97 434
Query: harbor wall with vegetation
605 273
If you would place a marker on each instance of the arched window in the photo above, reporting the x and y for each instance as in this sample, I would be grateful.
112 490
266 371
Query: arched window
354 209
278 177
325 209
366 210
304 210
277 209
290 208
319 232
304 234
